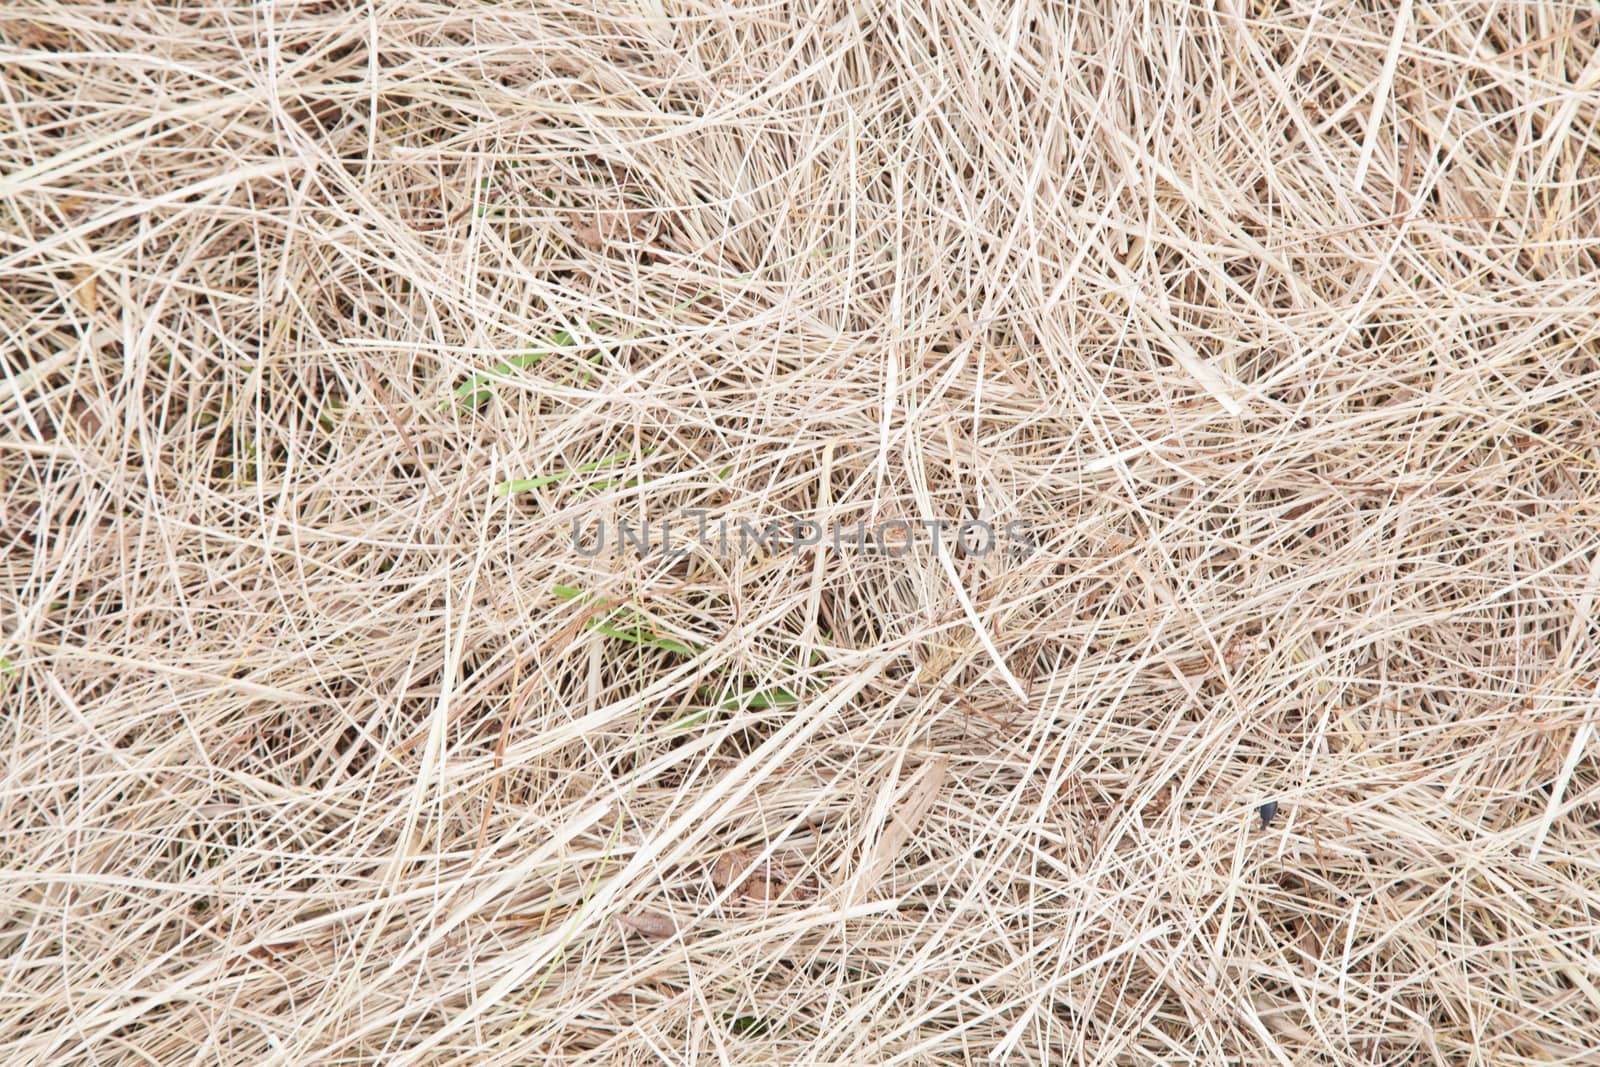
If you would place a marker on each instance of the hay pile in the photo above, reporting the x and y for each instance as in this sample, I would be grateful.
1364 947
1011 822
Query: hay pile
1276 323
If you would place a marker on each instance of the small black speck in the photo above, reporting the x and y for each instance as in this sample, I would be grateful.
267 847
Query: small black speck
1268 810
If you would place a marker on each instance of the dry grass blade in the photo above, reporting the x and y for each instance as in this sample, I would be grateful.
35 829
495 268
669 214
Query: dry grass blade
902 824
331 336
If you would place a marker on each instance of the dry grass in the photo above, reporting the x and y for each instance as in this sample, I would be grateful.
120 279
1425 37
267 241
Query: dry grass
1278 320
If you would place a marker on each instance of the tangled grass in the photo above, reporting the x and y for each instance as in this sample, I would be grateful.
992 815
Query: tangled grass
1276 321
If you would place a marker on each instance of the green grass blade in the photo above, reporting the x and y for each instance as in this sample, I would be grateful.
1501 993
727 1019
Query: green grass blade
525 485
477 389
754 700
760 700
639 633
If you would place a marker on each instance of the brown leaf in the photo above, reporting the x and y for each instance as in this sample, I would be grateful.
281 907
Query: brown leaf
764 888
588 235
648 923
88 421
609 226
728 867
765 882
630 225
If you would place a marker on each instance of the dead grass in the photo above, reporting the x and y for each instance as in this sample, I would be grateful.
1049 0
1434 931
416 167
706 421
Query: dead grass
1277 320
